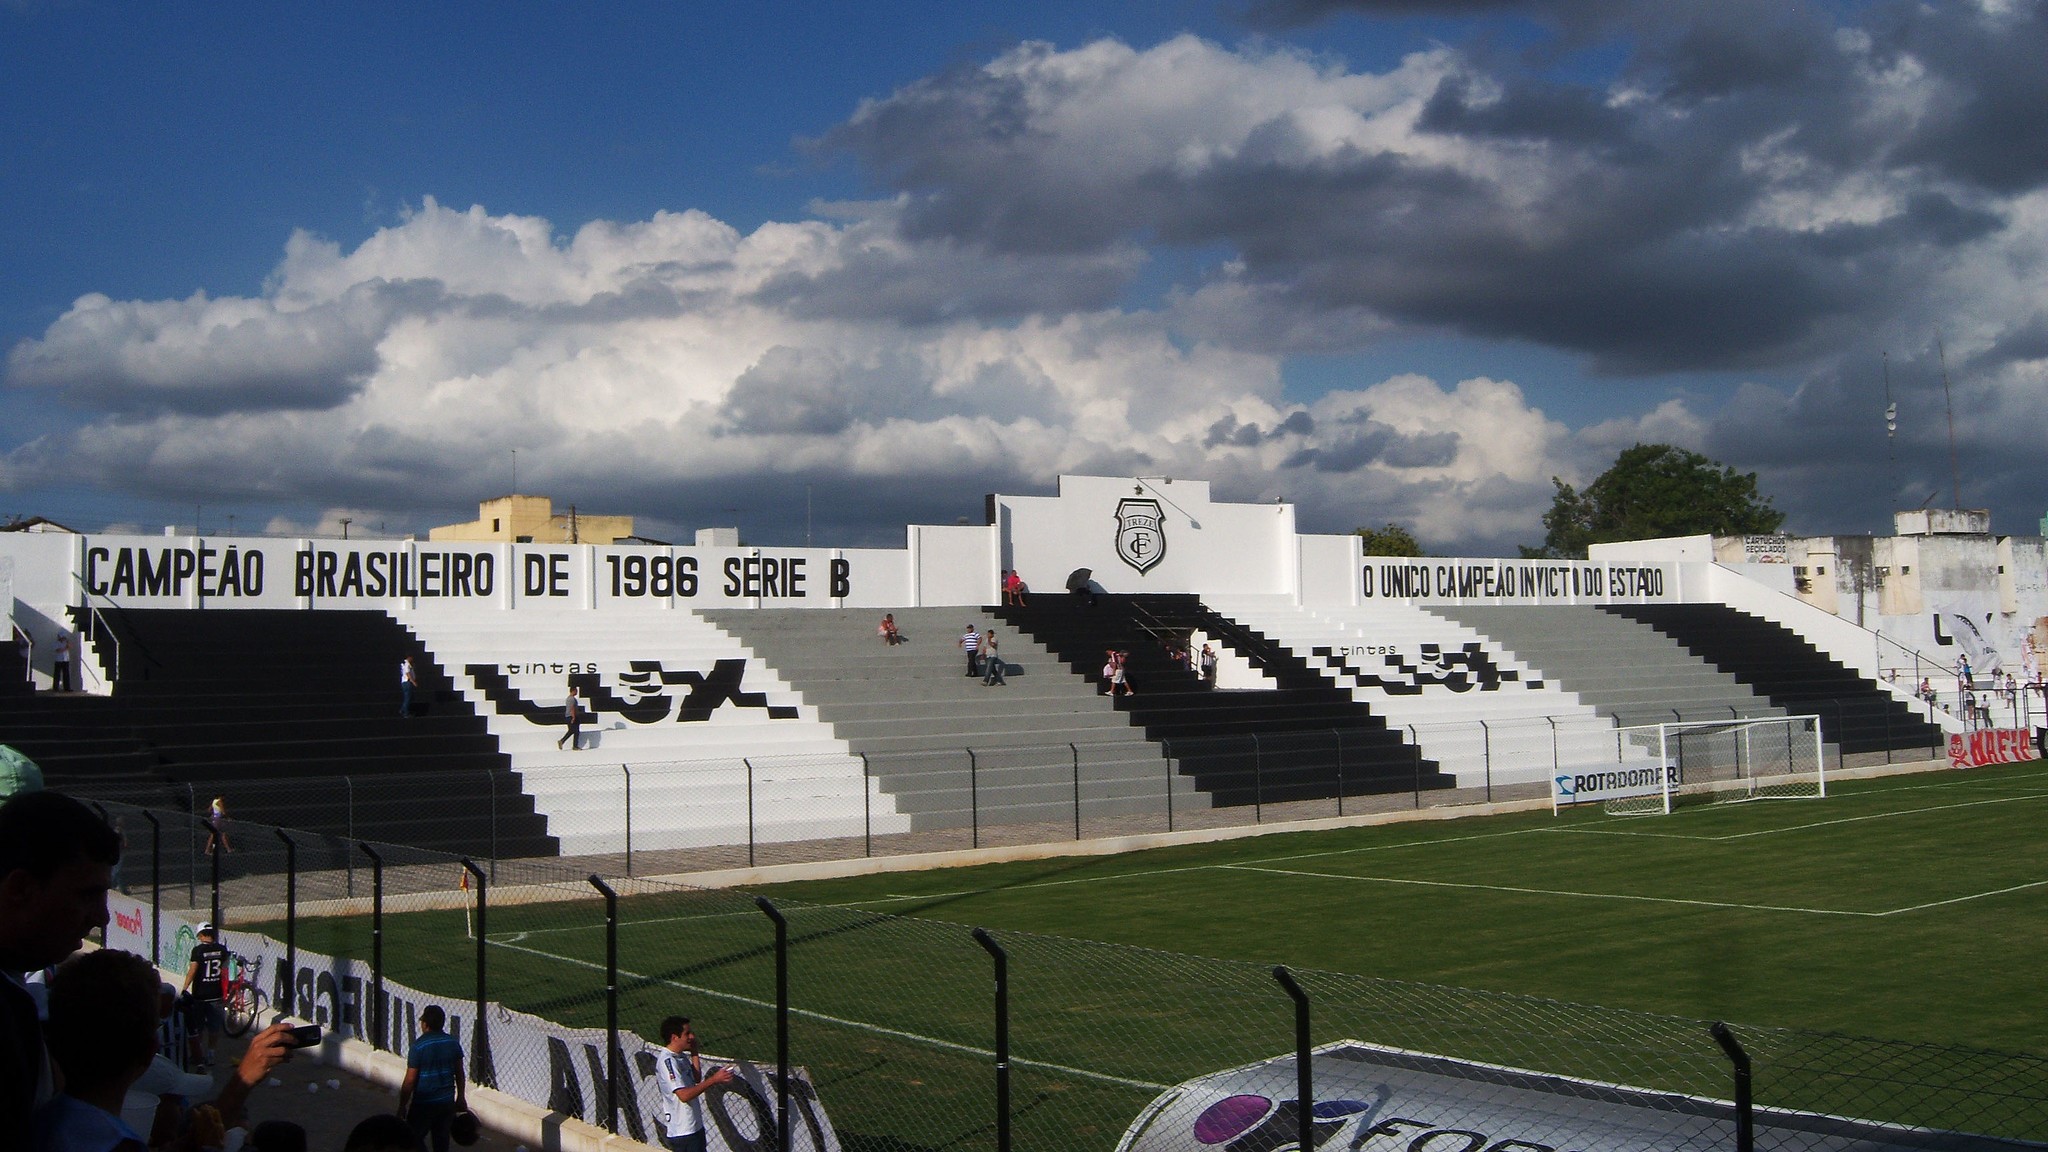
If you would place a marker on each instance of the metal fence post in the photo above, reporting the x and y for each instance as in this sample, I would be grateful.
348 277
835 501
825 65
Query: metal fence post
481 1070
1071 747
1258 782
1304 1069
191 848
627 769
349 783
291 922
973 798
749 766
867 816
1339 734
213 857
379 1037
1166 746
1416 740
781 1019
1745 1123
156 887
491 782
1555 758
1486 750
1002 958
611 1002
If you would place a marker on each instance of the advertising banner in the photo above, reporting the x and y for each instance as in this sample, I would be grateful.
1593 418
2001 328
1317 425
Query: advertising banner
1374 1099
1599 785
1991 746
537 1060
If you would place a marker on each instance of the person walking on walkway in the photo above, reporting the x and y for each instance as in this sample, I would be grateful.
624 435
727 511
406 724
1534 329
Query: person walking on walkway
990 660
680 1073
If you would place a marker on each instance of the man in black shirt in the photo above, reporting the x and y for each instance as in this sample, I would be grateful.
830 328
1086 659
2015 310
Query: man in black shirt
206 978
56 864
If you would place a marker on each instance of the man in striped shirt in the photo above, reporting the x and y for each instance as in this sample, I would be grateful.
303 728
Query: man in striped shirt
971 641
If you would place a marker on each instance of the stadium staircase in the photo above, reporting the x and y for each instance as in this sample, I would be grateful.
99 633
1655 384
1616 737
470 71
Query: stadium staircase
293 718
911 711
1623 669
719 747
1470 704
1855 715
1302 739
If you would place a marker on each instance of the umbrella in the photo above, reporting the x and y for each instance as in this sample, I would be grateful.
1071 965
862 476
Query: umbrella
1078 579
18 773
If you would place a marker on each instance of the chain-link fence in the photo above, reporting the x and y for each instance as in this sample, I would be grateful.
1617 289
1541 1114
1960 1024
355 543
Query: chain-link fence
862 1030
671 817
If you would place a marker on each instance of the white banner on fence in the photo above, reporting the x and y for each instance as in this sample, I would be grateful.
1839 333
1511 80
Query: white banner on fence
536 1060
1375 1099
1605 784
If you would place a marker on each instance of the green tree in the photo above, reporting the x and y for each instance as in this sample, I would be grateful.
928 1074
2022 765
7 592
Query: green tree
1655 490
1393 540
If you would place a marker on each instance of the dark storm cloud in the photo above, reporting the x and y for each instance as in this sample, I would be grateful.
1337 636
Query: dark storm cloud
1674 229
207 357
1987 125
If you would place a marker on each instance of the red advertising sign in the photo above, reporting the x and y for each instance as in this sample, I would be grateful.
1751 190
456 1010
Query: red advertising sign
1991 746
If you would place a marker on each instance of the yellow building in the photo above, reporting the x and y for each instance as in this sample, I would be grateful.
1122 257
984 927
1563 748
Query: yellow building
533 520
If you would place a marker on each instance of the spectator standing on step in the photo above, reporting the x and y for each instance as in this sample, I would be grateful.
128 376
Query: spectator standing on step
60 662
888 631
991 660
407 681
680 1073
970 641
434 1089
1208 666
56 864
572 711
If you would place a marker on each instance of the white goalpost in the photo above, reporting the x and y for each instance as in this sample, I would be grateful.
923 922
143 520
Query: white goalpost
1717 761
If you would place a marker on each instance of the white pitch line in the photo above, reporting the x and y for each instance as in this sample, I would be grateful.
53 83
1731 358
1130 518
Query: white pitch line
1726 836
1966 899
1182 869
861 1025
1554 892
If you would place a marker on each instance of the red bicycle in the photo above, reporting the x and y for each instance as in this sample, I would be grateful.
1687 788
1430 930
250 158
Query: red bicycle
241 997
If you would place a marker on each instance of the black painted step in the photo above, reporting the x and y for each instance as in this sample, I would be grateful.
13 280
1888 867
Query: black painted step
1855 714
1305 739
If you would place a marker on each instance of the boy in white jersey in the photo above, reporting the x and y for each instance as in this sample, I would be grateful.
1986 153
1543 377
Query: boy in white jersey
683 1083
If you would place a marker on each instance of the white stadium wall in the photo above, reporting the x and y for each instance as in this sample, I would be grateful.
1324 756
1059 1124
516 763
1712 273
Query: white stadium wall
1148 535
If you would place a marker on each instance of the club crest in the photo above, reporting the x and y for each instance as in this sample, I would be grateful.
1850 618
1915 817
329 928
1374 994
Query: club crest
1140 534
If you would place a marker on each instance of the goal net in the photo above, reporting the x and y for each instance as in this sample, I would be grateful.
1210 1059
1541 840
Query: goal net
1711 761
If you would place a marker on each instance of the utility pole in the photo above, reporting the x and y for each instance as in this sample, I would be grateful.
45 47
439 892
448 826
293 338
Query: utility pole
1955 471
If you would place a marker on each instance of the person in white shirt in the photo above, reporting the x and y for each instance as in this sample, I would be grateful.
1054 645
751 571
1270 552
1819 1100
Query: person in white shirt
683 1084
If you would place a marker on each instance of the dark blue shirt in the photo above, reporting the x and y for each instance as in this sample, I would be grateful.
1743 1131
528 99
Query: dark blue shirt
438 1056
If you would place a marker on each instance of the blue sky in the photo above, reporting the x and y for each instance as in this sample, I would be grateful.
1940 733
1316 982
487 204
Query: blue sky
690 260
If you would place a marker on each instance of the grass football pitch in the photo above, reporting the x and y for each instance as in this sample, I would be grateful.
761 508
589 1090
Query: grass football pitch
1912 908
